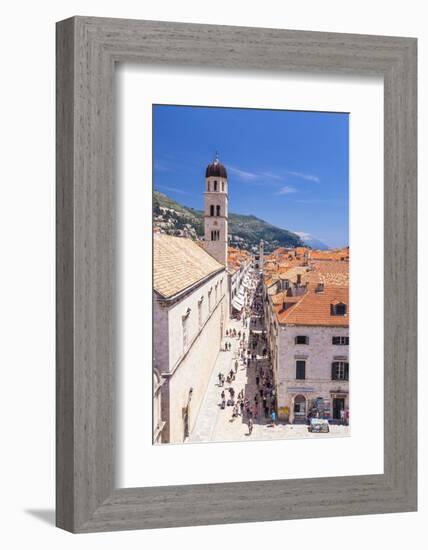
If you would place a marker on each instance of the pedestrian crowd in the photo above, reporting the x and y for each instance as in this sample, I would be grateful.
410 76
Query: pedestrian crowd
253 354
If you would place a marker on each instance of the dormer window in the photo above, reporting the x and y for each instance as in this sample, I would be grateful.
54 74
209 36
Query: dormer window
338 308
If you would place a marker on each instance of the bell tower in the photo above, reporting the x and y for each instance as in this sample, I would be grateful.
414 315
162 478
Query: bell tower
216 211
261 253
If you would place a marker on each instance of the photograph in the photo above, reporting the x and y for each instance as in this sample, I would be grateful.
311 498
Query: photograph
251 313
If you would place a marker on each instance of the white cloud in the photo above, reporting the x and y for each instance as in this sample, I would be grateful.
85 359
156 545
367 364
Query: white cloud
287 189
303 176
273 178
303 235
173 189
242 174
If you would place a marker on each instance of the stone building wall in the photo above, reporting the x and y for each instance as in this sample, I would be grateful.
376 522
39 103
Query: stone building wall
188 367
319 355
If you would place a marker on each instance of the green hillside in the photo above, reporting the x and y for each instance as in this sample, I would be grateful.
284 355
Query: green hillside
246 231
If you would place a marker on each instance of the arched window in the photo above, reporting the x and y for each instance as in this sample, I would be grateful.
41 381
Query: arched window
222 185
218 210
212 210
215 186
208 186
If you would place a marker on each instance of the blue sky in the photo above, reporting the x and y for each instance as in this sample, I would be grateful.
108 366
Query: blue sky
289 168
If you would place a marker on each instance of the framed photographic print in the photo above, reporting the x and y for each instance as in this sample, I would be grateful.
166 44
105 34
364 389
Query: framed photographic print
226 197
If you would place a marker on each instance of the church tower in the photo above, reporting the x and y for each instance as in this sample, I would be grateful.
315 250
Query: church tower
261 253
216 211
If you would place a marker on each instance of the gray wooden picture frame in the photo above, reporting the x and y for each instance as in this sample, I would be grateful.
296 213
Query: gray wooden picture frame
87 50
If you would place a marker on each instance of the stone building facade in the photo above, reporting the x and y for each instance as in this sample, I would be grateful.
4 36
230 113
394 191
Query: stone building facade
190 308
312 367
307 328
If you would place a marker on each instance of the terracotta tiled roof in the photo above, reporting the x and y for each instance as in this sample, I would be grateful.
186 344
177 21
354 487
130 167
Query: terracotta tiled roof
236 257
329 255
330 273
314 308
179 263
291 273
330 266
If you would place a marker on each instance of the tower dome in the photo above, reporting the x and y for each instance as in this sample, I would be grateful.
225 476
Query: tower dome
216 169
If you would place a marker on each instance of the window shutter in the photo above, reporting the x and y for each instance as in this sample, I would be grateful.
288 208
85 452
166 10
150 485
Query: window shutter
346 371
333 371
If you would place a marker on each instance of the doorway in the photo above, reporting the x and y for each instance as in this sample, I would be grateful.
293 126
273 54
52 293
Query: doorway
338 405
299 409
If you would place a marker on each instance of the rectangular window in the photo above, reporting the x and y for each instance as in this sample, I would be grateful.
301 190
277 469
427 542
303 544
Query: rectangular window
340 370
338 309
185 322
340 340
200 313
300 370
301 340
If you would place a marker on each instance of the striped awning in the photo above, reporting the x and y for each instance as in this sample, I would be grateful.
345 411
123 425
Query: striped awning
237 305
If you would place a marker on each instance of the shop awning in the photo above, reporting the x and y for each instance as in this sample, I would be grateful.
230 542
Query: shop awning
237 305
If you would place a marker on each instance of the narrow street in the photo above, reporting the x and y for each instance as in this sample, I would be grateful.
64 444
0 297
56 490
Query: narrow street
216 424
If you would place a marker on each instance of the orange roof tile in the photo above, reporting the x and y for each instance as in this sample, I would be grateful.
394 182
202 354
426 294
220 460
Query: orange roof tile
314 309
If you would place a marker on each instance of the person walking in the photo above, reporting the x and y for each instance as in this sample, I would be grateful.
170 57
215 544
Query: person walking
250 426
273 417
255 411
236 365
241 406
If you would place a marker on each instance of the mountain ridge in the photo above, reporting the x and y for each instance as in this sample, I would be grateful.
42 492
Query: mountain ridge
246 231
